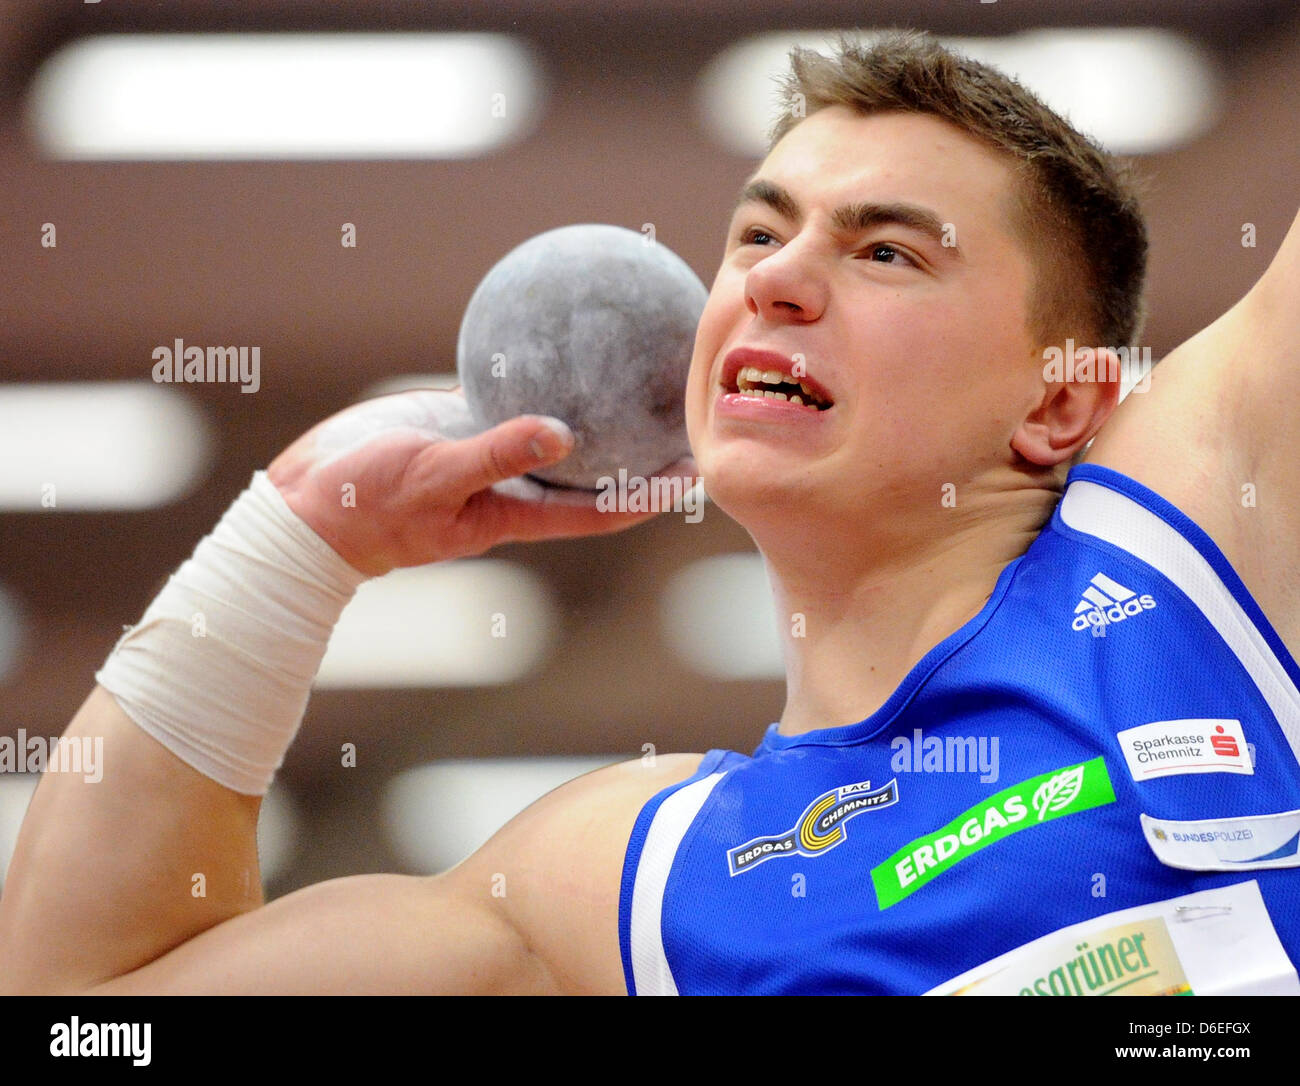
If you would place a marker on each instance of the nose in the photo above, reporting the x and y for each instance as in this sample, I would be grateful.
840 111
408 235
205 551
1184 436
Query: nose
789 286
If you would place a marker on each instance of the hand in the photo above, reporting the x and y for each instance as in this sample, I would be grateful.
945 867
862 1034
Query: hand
403 480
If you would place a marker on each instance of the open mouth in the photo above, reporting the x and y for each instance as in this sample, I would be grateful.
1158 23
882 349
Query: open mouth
752 382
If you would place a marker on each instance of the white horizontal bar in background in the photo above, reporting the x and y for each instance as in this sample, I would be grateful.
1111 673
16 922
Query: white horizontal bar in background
1135 90
435 815
76 445
470 622
285 96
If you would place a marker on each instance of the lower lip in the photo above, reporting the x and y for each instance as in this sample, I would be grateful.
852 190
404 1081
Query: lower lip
734 405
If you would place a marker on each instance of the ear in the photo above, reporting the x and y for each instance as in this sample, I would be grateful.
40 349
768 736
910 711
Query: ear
1079 393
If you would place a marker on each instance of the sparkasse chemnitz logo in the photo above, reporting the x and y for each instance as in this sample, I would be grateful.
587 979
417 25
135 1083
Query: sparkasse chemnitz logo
820 827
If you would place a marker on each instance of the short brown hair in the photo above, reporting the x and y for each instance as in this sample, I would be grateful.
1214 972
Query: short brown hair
1077 208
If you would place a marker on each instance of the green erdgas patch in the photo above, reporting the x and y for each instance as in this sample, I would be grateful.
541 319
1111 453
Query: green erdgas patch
1030 803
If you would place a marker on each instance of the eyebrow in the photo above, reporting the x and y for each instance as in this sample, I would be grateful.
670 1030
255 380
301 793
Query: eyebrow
853 218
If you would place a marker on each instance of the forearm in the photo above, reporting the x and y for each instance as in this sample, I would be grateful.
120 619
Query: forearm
109 875
195 710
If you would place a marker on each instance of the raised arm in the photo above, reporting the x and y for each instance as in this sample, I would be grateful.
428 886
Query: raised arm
148 879
1218 434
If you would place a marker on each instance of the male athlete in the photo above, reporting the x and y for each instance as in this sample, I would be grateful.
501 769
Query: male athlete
904 258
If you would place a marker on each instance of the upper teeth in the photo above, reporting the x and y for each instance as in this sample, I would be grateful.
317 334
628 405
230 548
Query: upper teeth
752 375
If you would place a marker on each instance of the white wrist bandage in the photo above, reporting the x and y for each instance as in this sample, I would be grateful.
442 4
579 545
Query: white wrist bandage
220 667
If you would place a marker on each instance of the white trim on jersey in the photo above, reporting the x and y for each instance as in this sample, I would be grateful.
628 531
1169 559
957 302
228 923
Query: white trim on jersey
1107 514
650 971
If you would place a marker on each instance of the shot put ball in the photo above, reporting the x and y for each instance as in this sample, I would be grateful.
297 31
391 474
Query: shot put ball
593 324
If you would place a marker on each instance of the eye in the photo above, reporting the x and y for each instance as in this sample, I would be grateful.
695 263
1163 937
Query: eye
884 253
755 235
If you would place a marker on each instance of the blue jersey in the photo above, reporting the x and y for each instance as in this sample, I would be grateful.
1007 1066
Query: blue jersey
1090 786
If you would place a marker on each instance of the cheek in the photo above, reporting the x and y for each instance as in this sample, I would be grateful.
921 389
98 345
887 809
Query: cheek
716 323
952 374
917 345
726 299
928 378
958 345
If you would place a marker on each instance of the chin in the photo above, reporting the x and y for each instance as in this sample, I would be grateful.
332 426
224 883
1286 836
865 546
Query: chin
744 485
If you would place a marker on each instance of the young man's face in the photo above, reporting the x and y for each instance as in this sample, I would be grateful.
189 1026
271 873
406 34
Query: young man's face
877 261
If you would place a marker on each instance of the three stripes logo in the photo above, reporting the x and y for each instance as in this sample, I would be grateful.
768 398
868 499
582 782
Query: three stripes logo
1106 602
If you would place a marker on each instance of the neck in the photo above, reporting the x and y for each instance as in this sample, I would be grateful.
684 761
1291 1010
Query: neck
854 622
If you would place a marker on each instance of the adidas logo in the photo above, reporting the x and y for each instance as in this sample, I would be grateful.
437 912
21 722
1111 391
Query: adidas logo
1105 602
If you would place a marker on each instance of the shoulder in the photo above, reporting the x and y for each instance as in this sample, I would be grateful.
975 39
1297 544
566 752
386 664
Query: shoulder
554 872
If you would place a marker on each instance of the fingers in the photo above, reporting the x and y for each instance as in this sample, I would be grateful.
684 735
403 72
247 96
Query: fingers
518 445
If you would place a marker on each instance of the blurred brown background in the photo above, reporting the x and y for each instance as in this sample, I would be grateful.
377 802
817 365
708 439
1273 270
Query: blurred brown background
249 253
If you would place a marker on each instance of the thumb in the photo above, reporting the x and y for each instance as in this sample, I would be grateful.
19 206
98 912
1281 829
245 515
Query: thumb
516 446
